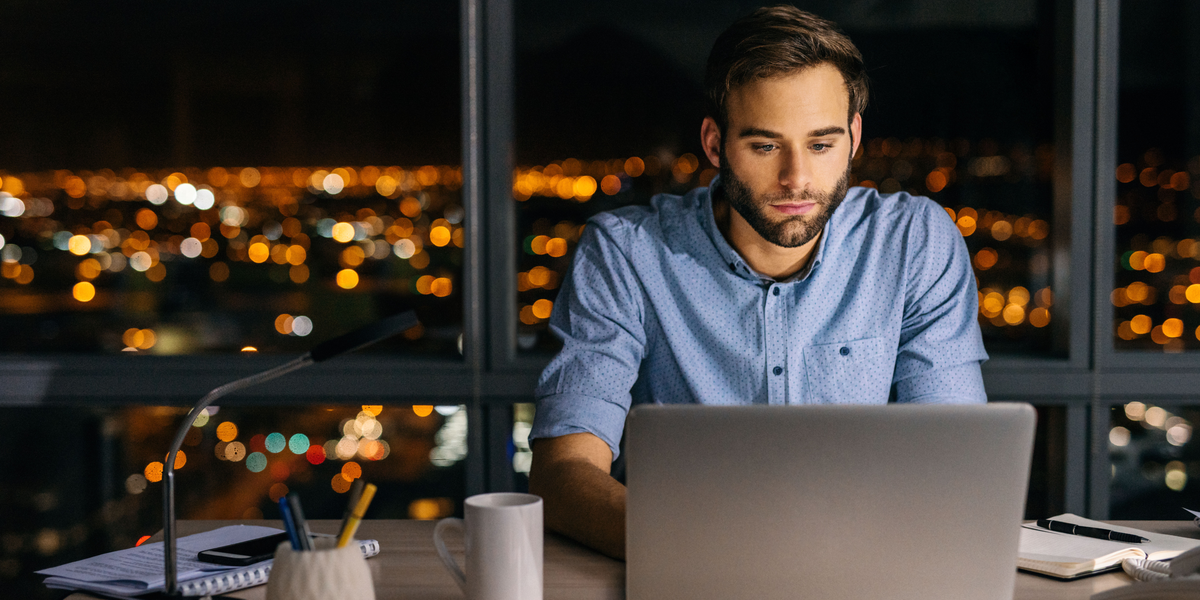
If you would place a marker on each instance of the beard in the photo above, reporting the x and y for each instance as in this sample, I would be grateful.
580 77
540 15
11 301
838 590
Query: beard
792 231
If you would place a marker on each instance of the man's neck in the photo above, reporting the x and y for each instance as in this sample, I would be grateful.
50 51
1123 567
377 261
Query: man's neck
764 257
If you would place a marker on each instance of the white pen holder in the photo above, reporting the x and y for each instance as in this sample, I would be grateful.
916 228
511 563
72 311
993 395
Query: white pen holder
325 573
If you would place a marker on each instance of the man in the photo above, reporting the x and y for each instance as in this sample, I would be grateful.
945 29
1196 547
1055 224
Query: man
776 285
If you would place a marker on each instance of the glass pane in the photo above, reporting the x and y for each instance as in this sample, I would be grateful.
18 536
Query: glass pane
98 487
1155 461
287 171
1047 473
1157 283
608 114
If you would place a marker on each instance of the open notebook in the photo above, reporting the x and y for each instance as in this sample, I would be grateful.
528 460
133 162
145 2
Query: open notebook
1068 556
136 572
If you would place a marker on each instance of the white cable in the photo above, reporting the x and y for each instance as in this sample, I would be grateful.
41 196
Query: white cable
1143 569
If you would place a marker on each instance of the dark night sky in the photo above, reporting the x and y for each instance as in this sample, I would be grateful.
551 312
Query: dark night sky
150 84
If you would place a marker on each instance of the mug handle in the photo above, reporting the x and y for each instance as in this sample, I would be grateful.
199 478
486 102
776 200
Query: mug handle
451 565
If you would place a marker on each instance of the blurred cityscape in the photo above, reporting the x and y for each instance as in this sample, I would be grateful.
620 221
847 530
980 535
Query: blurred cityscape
1154 459
192 261
1157 215
218 260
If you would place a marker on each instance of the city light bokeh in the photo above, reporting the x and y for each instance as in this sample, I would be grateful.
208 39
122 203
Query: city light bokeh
1155 463
1156 300
190 259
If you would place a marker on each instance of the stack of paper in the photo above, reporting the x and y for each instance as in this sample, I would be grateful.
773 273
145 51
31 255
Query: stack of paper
138 571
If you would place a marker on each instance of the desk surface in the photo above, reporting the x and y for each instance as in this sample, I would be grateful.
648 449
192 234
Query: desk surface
408 566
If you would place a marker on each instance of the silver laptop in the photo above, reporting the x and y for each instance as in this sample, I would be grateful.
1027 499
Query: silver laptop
840 502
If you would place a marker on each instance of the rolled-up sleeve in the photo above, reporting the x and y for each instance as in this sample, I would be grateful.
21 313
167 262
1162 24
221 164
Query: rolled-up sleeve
599 316
940 346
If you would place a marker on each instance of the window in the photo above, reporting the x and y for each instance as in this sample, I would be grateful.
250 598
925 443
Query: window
209 181
1153 456
285 174
1157 280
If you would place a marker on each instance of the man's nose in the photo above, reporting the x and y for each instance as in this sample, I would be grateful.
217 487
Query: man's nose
796 171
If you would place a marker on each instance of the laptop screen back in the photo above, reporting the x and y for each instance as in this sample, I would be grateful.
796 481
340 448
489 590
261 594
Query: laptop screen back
857 502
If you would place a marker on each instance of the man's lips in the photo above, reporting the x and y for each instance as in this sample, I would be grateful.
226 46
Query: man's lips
795 208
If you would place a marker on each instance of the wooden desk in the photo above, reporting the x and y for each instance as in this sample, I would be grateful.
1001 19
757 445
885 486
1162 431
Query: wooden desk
408 567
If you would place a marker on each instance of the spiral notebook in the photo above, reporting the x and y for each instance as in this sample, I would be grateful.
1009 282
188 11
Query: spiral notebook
137 572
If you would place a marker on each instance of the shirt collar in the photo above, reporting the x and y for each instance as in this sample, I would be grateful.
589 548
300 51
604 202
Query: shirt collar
734 261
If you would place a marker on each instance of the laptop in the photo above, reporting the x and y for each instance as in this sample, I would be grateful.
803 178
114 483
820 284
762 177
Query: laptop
864 502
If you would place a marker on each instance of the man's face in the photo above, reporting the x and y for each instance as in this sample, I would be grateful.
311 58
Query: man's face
785 153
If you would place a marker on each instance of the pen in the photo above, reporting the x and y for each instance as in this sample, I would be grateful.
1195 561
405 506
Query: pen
285 512
351 502
357 515
301 525
1092 532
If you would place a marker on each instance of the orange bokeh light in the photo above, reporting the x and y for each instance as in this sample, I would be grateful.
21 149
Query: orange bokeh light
227 432
146 219
153 472
340 484
347 279
84 291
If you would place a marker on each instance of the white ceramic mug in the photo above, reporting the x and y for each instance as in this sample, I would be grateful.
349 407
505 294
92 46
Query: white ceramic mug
504 547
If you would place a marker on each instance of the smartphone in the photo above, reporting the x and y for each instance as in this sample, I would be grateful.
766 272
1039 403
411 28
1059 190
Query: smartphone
244 553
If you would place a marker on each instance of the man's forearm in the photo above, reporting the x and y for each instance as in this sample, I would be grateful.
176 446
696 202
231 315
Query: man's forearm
582 502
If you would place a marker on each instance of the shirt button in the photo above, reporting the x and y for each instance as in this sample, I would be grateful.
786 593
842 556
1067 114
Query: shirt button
775 291
732 267
844 351
778 370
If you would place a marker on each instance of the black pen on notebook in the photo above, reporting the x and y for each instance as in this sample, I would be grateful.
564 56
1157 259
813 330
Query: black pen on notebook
1092 532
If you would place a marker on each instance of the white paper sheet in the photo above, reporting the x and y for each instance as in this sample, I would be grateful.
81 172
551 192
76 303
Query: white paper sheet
141 568
1078 548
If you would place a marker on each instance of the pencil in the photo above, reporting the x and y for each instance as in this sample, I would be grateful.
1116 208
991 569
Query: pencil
357 515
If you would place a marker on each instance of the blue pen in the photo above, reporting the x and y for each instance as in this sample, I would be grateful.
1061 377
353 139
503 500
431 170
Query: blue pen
285 511
301 524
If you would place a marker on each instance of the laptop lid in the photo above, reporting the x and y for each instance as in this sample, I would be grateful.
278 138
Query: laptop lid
865 502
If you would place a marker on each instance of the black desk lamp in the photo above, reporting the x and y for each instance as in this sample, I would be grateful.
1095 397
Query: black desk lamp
349 342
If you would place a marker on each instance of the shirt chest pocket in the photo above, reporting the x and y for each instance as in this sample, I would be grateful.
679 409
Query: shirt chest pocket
854 372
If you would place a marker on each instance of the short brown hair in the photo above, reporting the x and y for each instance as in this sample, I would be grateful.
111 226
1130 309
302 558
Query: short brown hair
775 40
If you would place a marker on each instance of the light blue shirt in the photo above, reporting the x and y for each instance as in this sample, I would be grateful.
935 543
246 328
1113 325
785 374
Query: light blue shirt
658 307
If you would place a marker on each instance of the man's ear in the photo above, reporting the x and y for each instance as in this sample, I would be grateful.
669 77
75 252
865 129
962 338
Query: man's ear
855 133
710 139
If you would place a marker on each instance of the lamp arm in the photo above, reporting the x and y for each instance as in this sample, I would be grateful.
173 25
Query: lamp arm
169 533
348 342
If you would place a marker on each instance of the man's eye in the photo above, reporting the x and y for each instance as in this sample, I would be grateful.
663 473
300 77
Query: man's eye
765 147
820 147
